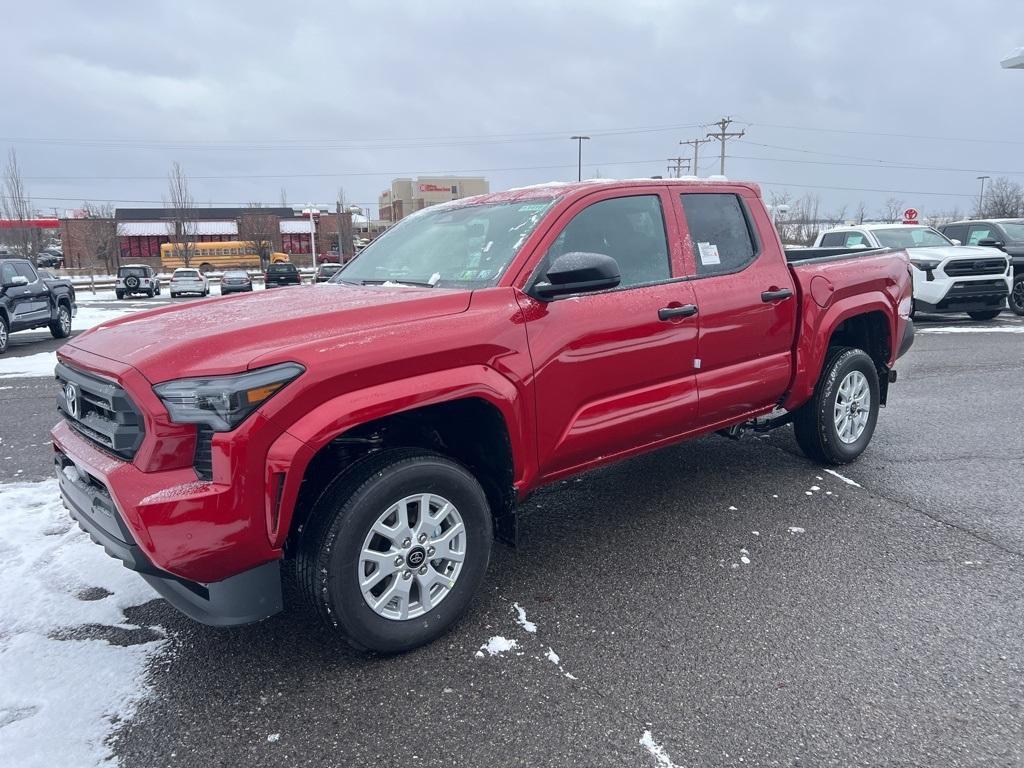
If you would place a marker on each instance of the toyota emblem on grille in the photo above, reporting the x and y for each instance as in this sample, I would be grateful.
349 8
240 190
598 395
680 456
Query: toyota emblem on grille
72 400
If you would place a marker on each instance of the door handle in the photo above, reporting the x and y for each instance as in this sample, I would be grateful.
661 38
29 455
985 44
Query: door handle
667 313
784 293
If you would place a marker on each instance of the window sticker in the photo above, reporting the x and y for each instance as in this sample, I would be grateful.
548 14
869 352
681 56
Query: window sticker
708 253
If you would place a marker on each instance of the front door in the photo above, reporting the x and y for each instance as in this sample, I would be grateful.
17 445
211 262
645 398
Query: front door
614 369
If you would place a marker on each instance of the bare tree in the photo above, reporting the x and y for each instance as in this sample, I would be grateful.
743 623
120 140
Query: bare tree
256 227
861 213
17 206
284 197
892 211
1003 199
99 238
181 228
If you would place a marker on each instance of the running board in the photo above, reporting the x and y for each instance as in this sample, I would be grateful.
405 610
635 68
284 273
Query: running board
777 418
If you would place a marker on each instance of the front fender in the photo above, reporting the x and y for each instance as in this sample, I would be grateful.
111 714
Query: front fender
292 452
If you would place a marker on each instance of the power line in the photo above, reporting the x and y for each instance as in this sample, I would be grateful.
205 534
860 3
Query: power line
972 139
873 165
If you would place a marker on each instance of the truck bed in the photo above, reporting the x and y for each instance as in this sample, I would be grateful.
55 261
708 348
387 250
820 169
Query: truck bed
799 255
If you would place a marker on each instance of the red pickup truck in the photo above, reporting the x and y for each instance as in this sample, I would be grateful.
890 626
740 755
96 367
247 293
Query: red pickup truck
368 437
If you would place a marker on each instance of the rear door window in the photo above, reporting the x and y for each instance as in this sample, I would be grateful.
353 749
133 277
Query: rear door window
720 231
955 232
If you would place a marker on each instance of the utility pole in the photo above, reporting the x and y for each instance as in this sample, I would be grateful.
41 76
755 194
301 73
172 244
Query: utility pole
981 197
696 145
675 171
722 135
579 155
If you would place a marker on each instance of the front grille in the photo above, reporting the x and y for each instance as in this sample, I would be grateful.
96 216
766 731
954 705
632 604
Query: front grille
203 460
104 413
977 267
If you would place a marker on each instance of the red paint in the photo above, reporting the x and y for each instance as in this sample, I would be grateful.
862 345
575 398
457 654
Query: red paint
579 382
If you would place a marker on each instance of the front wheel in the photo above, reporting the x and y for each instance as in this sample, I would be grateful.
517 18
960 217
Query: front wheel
395 549
119 293
5 333
60 328
986 315
836 424
1016 299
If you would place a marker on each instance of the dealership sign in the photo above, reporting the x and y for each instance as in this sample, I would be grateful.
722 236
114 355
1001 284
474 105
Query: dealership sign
453 189
910 216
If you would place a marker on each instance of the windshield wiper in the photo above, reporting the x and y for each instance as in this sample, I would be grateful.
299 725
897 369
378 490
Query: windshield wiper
417 283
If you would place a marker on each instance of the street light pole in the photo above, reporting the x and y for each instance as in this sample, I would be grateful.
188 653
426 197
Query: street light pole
312 233
579 155
981 197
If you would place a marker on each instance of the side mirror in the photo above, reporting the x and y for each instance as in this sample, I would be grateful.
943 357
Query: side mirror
578 272
989 242
954 241
18 281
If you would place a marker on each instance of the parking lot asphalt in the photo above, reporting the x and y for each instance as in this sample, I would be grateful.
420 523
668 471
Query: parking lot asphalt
715 603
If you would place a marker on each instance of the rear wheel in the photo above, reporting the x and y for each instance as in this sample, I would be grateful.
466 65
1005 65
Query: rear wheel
395 549
986 315
1017 295
60 328
836 424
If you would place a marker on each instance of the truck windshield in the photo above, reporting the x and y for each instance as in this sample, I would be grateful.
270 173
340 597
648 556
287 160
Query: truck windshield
448 247
910 237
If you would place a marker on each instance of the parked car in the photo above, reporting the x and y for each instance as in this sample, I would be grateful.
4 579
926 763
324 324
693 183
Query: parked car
235 281
136 278
283 273
49 259
1005 234
29 299
327 270
372 436
189 280
948 277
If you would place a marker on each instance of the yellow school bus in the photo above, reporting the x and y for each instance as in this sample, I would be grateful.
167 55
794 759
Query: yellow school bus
215 257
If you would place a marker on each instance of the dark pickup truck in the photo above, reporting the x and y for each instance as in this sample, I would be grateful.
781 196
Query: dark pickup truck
29 300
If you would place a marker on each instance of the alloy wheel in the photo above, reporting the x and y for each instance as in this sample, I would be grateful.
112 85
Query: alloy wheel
852 407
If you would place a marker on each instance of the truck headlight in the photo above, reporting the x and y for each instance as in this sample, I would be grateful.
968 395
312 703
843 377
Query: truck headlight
926 265
224 402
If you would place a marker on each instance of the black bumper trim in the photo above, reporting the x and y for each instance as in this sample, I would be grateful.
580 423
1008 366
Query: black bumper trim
240 599
908 339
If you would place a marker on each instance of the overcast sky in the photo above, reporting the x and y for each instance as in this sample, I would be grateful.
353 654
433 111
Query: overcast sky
352 95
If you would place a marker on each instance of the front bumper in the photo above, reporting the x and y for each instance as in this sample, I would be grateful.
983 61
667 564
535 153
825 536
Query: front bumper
246 597
962 295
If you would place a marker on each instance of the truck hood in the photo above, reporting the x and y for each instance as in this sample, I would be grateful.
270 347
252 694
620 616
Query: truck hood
955 252
224 335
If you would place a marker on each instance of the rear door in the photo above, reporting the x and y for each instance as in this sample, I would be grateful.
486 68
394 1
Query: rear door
747 301
35 300
613 371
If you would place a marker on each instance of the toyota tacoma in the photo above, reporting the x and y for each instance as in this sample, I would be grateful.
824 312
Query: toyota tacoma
365 439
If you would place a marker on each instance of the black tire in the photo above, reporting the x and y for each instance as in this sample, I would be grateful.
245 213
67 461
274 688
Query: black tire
61 327
913 309
174 295
151 293
119 293
1016 300
988 314
814 422
5 333
327 562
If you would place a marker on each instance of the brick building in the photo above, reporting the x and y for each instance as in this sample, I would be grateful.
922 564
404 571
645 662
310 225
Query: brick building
409 195
135 235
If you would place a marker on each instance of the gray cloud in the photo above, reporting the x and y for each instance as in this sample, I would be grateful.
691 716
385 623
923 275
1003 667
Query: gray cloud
257 88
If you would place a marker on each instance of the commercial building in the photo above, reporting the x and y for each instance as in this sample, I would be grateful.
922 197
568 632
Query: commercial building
135 235
409 195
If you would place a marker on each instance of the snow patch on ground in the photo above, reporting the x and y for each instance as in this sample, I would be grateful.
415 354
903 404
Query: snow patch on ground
61 698
40 364
522 621
970 329
90 317
555 659
661 757
796 529
496 646
845 479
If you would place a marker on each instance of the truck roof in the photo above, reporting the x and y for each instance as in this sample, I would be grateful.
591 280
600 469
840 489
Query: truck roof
553 189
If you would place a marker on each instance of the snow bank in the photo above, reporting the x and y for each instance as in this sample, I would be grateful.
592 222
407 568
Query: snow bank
39 364
60 698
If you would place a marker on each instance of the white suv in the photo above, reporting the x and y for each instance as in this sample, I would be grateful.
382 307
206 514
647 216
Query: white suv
136 278
188 280
948 277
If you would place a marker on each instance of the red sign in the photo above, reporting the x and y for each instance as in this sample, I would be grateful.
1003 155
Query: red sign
435 188
29 224
910 216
